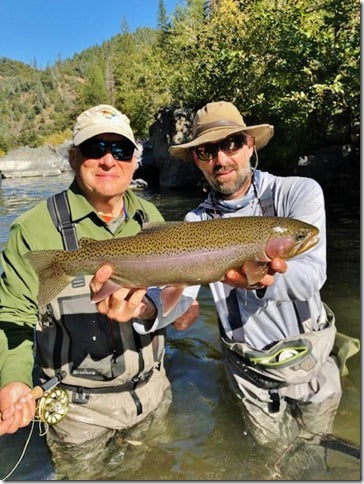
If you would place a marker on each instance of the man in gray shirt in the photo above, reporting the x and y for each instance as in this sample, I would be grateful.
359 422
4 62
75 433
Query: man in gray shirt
277 336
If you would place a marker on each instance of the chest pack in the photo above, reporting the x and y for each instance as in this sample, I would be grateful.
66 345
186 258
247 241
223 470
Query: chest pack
99 355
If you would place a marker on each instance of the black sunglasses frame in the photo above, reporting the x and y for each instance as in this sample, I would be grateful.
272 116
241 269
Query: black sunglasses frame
208 151
97 148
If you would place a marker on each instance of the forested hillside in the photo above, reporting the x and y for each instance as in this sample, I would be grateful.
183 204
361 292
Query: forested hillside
293 64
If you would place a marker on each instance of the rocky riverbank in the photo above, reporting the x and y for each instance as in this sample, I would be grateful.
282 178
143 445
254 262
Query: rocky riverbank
41 161
335 167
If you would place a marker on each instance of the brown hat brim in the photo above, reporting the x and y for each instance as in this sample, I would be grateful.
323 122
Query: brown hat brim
262 133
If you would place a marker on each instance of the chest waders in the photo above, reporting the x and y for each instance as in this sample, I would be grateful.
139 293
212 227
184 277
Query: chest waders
97 354
290 361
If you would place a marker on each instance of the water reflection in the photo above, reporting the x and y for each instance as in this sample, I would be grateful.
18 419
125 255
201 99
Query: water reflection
20 194
200 437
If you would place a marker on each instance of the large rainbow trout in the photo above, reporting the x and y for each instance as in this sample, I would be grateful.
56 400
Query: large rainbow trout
177 253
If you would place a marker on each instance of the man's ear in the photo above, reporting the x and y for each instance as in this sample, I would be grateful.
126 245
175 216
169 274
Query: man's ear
250 141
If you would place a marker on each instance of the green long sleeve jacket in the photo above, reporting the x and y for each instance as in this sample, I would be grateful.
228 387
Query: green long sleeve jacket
34 230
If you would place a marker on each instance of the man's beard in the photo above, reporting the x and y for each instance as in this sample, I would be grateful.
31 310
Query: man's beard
226 189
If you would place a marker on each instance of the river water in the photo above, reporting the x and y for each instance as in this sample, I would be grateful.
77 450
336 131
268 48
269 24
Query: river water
200 436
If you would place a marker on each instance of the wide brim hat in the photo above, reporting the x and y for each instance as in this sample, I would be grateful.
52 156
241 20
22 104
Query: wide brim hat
215 122
101 119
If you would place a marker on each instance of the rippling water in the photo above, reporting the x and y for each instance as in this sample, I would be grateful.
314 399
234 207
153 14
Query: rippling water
200 436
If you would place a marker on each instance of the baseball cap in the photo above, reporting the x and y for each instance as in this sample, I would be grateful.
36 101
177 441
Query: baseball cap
101 119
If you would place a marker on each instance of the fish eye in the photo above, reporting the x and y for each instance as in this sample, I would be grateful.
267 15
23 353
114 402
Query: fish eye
300 237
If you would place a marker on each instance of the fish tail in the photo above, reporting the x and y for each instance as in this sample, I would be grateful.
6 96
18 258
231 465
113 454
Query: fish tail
52 277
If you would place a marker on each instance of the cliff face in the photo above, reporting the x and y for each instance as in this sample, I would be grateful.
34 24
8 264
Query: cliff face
172 126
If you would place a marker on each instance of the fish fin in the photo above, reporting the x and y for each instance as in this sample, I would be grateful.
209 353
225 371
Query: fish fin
255 271
51 276
170 295
106 290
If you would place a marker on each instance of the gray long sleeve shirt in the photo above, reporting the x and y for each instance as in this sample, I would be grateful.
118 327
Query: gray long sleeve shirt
261 319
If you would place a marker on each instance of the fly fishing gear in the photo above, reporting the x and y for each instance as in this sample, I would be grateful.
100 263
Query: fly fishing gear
52 406
52 402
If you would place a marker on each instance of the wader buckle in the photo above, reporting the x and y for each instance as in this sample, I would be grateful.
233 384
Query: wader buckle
141 378
80 396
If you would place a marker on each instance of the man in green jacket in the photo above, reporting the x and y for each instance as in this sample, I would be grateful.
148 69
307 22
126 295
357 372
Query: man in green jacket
113 375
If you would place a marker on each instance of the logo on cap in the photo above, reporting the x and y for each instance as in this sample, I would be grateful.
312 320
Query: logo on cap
107 113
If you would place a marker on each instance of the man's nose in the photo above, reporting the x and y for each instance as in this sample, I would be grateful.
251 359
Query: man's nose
220 157
108 159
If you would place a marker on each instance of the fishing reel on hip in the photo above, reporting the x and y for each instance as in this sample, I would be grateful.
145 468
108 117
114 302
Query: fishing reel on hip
52 401
52 406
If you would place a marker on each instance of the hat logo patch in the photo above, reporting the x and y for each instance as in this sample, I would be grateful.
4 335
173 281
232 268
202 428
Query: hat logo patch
107 113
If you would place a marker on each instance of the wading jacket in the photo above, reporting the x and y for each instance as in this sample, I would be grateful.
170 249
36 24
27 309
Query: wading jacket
70 334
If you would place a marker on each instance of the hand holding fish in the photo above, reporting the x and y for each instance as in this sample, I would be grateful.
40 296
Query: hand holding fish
17 407
173 254
238 278
123 304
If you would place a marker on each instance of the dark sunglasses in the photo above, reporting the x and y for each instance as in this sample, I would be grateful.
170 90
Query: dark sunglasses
229 146
97 148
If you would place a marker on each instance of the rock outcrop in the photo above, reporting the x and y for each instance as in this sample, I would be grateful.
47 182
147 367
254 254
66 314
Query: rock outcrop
42 161
336 168
172 126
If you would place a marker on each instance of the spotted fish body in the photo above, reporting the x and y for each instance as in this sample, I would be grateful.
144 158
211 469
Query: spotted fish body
177 253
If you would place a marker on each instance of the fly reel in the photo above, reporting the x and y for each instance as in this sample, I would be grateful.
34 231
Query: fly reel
52 402
52 406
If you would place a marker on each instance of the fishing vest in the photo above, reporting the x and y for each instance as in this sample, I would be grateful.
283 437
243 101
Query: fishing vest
292 360
95 352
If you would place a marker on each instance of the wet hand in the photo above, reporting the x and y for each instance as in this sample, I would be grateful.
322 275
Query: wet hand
188 318
238 277
124 303
17 407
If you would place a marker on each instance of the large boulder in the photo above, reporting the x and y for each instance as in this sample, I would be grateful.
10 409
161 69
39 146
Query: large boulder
172 126
336 168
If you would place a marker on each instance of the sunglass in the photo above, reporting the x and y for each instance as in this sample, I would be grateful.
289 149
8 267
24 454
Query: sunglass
210 150
97 148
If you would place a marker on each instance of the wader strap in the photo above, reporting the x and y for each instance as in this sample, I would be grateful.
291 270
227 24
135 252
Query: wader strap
141 217
266 200
302 312
233 311
81 394
275 403
138 347
60 213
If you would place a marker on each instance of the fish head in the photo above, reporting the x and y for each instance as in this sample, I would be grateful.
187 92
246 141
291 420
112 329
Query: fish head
290 238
